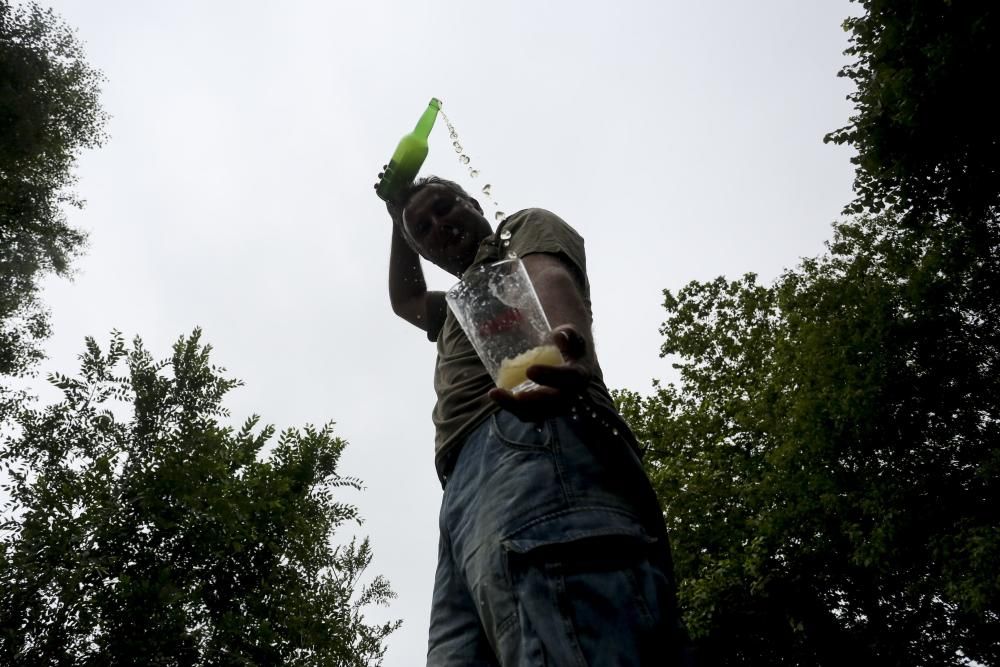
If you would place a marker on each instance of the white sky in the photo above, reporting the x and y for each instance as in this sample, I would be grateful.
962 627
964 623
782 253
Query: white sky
683 140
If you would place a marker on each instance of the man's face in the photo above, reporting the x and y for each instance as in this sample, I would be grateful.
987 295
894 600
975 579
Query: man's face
446 227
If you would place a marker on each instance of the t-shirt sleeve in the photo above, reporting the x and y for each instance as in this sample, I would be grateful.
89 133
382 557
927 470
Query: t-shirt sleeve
437 311
538 230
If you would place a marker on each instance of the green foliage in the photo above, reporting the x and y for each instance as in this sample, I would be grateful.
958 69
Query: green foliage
828 464
141 530
925 122
49 112
828 461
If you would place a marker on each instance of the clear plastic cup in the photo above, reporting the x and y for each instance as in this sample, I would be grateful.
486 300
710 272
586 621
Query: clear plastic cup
498 310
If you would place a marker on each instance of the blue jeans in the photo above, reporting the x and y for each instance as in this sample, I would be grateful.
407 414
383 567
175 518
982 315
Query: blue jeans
553 551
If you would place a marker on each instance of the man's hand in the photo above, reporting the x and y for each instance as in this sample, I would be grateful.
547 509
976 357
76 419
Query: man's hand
559 386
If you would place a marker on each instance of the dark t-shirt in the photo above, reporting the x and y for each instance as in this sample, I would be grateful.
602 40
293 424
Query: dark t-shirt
460 379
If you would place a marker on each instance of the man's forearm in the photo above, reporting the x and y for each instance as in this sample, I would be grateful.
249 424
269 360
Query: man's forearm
408 291
561 298
406 277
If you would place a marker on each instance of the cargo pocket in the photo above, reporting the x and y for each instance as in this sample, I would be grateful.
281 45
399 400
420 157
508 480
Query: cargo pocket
584 588
579 524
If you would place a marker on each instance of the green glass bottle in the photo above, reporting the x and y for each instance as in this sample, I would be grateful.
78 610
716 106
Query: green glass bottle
409 155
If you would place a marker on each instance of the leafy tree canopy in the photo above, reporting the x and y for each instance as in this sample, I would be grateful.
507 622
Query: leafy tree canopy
49 112
828 464
925 122
141 530
828 460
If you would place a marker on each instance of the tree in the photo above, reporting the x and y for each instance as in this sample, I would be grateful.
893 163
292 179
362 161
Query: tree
925 123
828 465
828 461
49 113
141 530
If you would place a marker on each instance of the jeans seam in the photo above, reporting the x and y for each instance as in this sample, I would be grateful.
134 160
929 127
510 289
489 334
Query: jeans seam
505 625
641 604
562 604
557 460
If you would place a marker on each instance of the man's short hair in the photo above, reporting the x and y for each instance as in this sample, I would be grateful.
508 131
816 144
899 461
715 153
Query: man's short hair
421 183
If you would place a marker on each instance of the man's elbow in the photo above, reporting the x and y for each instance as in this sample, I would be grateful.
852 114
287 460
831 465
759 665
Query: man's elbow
401 309
411 310
556 279
397 305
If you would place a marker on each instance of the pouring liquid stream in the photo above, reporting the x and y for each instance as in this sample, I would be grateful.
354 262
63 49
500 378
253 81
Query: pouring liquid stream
464 159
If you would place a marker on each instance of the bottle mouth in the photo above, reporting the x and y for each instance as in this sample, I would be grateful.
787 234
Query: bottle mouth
436 103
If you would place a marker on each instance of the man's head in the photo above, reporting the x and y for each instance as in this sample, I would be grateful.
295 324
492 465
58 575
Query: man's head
443 223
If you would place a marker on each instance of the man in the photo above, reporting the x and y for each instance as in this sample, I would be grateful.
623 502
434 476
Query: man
553 550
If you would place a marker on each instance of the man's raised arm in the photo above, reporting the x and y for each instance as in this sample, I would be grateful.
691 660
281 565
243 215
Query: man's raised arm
407 289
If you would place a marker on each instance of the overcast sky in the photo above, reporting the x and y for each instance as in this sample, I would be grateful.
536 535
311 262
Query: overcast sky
682 140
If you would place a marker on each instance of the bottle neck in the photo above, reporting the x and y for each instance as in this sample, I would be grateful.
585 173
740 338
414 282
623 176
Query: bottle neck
426 122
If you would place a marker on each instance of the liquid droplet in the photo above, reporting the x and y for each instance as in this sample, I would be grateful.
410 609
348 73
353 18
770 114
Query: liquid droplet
573 409
473 172
500 215
457 146
614 431
486 189
464 159
504 235
506 243
511 255
453 134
